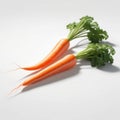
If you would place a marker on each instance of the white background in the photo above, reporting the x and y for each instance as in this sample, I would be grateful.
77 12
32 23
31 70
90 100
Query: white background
28 31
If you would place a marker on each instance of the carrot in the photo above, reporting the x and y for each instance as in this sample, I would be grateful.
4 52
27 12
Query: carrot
63 64
86 27
98 54
60 48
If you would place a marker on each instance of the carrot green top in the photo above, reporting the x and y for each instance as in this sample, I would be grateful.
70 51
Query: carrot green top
98 54
87 28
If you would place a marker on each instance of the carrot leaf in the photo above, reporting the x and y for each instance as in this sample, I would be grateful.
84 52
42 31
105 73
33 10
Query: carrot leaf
98 54
87 28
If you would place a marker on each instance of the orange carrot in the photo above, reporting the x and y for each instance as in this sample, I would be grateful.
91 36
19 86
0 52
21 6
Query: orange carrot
64 64
60 48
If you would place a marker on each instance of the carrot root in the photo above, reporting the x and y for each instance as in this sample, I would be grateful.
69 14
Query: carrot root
18 68
60 48
63 64
16 90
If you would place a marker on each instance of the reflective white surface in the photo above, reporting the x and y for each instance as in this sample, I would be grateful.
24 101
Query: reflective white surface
28 31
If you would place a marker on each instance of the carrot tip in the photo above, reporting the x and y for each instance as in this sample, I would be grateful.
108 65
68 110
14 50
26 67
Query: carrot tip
19 67
16 90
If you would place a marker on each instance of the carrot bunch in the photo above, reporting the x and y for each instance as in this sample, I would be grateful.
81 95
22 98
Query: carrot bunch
96 52
85 28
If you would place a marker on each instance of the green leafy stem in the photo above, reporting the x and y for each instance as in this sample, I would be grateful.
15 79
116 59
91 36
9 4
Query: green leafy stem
86 28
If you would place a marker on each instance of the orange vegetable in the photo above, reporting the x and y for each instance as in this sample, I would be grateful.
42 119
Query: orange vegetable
60 48
63 64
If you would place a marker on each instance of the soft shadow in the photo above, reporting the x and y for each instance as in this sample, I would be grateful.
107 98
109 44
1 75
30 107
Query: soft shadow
54 78
84 42
110 43
80 44
110 68
84 62
107 68
30 74
70 51
12 97
67 74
